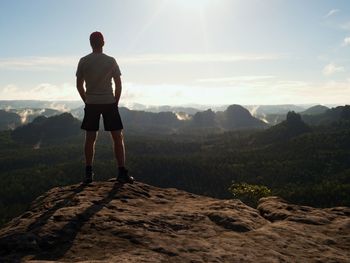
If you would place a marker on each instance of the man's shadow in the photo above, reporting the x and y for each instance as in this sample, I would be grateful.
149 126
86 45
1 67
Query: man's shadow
55 245
43 218
22 243
58 243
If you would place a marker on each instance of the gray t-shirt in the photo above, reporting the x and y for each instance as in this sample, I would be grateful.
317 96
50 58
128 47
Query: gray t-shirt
97 69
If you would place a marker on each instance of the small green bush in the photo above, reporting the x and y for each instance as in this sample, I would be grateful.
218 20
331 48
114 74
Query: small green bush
249 193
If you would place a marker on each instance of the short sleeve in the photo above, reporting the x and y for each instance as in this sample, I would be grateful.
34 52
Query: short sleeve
115 69
79 73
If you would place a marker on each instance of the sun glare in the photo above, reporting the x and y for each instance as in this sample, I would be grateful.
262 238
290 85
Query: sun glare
194 3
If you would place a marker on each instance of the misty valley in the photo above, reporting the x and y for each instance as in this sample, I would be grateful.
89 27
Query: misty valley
300 154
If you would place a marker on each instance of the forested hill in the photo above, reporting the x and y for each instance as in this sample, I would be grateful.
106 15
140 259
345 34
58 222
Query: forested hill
327 117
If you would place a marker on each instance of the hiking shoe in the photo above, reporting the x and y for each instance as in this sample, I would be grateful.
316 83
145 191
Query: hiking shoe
124 178
89 176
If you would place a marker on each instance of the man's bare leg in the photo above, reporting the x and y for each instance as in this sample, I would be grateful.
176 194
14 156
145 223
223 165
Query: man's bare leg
90 139
119 152
119 148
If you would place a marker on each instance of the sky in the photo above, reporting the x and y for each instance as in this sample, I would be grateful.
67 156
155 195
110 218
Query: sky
182 52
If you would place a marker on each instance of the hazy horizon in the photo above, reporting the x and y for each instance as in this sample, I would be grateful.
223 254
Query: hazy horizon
177 52
132 105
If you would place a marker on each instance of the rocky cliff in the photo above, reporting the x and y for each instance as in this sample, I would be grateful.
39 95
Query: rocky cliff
107 222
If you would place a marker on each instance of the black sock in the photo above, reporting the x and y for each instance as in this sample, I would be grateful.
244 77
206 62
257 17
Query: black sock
88 168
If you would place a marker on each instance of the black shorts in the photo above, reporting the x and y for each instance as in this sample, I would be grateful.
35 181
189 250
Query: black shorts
110 113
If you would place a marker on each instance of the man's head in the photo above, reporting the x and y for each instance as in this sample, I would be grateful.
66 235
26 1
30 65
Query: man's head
96 40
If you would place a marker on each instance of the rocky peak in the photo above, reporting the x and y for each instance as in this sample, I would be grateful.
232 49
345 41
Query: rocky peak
108 222
293 118
236 116
237 111
205 118
295 124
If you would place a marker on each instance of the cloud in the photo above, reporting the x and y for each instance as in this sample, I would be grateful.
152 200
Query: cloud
346 42
270 91
331 13
253 90
331 92
37 63
197 58
43 91
57 63
246 78
331 69
11 88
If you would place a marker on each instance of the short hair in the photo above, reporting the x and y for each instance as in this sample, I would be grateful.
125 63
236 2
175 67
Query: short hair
96 40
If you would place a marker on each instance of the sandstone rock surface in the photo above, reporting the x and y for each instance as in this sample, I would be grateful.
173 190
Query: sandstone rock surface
107 222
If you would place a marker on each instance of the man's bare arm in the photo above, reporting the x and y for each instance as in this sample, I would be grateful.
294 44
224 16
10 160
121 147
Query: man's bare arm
80 88
118 88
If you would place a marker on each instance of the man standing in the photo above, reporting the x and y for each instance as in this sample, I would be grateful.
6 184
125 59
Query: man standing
97 71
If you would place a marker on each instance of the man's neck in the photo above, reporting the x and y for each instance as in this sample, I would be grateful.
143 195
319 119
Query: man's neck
97 50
